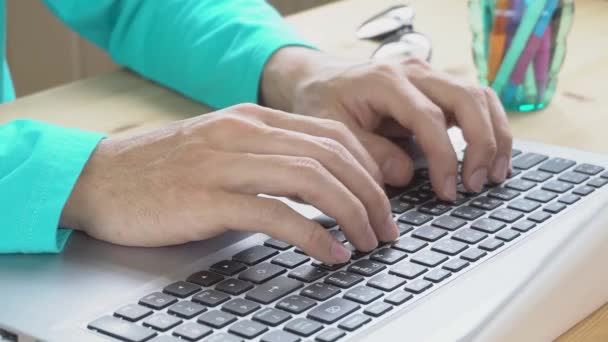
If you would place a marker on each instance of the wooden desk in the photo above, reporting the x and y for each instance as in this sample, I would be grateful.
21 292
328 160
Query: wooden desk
121 103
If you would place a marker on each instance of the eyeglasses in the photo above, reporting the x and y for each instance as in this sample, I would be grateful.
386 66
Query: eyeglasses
394 29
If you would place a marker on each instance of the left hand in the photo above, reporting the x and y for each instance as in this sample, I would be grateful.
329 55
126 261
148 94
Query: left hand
396 99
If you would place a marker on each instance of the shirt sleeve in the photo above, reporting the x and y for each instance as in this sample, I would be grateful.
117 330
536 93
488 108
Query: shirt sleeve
39 165
209 50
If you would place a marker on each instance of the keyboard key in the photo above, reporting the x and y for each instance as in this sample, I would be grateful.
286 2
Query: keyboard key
254 255
181 289
589 169
330 335
233 286
541 196
524 226
191 331
485 203
363 294
261 273
404 228
228 267
338 235
325 221
320 291
473 254
205 278
271 316
437 275
597 182
407 270
507 235
161 322
240 306
333 267
387 256
605 175
416 196
418 286
469 236
455 265
333 310
569 199
539 217
520 185
557 186
377 309
506 215
366 267
503 194
514 173
449 247
524 205
515 153
468 213
133 312
186 309
429 258
461 189
415 218
223 337
409 244
273 290
354 322
210 297
435 208
157 300
303 327
449 222
460 199
557 165
277 244
307 273
216 319
248 329
583 190
385 282
280 336
121 329
573 177
290 259
528 160
399 207
295 304
488 225
429 233
343 279
537 176
398 298
491 244
554 207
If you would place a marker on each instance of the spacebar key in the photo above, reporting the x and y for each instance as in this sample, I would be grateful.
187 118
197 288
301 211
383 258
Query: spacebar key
121 329
333 310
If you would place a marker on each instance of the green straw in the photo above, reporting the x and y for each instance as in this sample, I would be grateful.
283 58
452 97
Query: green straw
530 85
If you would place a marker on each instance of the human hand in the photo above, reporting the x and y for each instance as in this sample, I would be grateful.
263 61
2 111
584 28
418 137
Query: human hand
395 99
197 178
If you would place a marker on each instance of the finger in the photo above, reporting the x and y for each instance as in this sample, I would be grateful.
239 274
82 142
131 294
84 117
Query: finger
332 129
397 166
278 220
414 111
504 139
307 179
471 111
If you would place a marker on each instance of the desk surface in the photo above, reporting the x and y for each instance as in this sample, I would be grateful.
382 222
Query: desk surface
121 103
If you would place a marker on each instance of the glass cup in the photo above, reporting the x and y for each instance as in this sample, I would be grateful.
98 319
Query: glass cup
519 47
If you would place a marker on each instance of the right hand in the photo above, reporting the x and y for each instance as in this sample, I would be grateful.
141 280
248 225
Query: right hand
197 178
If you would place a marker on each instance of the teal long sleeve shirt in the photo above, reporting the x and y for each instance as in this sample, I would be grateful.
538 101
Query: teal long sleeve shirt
209 50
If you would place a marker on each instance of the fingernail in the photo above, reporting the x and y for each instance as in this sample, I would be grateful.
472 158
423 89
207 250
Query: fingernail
449 187
500 169
478 179
390 228
339 252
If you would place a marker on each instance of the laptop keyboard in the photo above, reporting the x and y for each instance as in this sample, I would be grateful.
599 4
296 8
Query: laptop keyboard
274 292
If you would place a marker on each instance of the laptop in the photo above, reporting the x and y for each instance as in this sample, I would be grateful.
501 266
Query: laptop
526 256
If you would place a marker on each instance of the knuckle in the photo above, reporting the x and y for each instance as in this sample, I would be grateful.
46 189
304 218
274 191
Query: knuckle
307 167
489 92
247 107
416 61
338 128
333 148
385 69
